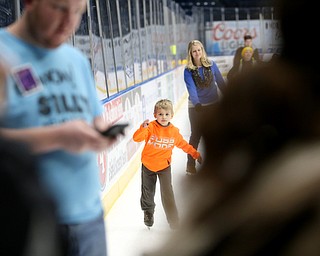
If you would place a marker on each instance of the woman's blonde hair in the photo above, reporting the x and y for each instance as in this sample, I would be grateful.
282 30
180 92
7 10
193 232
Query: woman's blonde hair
204 59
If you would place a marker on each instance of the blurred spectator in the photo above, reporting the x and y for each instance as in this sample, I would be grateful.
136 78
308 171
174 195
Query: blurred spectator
258 192
246 63
247 42
274 57
28 220
52 106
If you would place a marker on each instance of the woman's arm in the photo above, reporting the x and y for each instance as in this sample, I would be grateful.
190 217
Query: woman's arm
191 87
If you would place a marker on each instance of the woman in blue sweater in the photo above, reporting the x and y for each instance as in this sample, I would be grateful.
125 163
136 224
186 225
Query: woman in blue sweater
202 78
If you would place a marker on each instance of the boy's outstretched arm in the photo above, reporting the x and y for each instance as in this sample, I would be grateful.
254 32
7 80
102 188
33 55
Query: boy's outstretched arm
142 132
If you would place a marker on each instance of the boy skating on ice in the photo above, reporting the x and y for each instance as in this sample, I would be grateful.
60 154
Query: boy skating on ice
160 138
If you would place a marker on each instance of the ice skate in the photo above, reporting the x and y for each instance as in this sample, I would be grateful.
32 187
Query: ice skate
148 219
191 170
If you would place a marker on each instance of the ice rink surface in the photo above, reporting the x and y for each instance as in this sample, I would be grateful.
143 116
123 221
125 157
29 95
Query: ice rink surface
126 233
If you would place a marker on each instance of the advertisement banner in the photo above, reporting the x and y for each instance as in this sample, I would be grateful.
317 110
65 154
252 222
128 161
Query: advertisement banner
224 37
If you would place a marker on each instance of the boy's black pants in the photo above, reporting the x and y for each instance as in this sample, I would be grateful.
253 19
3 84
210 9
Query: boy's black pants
148 189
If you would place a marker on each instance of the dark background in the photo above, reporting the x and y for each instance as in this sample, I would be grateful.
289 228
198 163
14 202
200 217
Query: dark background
188 4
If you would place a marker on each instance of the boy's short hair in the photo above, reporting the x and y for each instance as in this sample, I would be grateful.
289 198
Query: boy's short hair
164 104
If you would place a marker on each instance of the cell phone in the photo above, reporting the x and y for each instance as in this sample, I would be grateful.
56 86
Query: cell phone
115 130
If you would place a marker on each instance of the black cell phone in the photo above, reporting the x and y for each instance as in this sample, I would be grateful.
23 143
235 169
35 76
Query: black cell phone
115 130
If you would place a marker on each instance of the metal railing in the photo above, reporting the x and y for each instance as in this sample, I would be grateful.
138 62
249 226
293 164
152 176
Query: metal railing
131 41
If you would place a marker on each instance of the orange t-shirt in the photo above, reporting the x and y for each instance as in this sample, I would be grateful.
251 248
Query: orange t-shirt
159 143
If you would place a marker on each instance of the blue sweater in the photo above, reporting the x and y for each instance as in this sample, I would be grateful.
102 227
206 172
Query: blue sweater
207 95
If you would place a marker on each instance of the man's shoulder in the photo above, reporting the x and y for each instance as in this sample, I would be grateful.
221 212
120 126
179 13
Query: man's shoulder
4 34
239 49
70 50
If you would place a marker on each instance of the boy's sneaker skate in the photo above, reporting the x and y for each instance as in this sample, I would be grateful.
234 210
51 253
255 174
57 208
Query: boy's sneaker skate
148 219
191 170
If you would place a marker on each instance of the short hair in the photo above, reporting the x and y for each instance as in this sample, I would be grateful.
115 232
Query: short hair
246 37
164 104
